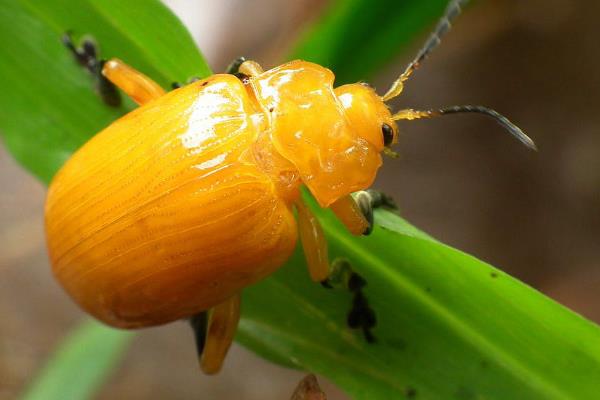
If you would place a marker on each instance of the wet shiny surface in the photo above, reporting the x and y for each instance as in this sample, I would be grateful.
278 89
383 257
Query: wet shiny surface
183 202
311 129
159 216
142 88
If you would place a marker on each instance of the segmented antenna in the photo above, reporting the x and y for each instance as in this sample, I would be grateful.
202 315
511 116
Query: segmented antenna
445 23
410 114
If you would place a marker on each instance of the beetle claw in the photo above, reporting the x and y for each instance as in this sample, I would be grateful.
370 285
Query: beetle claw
361 315
368 201
86 55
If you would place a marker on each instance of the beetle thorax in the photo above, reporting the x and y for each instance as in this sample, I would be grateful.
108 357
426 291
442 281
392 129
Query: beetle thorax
309 136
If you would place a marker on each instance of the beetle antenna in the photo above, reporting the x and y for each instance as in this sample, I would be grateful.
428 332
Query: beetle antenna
445 23
410 114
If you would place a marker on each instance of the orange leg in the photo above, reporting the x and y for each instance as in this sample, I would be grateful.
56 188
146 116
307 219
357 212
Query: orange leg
135 84
250 68
348 211
313 242
214 331
340 274
356 211
313 239
218 334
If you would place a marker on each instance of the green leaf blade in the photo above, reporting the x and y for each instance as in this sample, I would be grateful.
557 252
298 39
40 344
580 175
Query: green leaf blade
81 365
48 107
448 325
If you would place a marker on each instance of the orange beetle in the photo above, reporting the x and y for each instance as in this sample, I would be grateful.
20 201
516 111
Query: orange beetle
177 206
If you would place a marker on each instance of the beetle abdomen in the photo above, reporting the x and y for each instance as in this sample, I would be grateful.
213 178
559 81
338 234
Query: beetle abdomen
160 216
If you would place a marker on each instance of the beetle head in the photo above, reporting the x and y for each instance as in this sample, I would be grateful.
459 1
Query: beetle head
452 11
368 115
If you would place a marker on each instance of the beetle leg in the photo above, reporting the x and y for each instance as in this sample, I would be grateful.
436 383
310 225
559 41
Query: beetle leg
234 67
313 241
244 69
250 68
86 56
377 199
135 84
362 316
340 275
352 216
214 331
356 211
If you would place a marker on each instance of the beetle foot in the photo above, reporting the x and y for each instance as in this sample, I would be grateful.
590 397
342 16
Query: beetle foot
361 315
86 55
369 200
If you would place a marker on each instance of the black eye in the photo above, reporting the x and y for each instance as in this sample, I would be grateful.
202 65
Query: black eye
388 134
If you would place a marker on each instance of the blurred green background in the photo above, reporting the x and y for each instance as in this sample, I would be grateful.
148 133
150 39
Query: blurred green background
535 215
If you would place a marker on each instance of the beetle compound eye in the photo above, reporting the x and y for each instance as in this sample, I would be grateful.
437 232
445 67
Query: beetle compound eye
388 134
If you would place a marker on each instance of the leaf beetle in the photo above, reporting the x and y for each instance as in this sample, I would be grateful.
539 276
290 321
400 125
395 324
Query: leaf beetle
173 209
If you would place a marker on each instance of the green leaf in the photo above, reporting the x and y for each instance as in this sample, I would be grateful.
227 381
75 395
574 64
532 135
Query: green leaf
355 38
48 109
80 366
47 106
449 326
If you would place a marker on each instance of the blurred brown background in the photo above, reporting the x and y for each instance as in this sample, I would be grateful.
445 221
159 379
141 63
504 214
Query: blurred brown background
535 215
